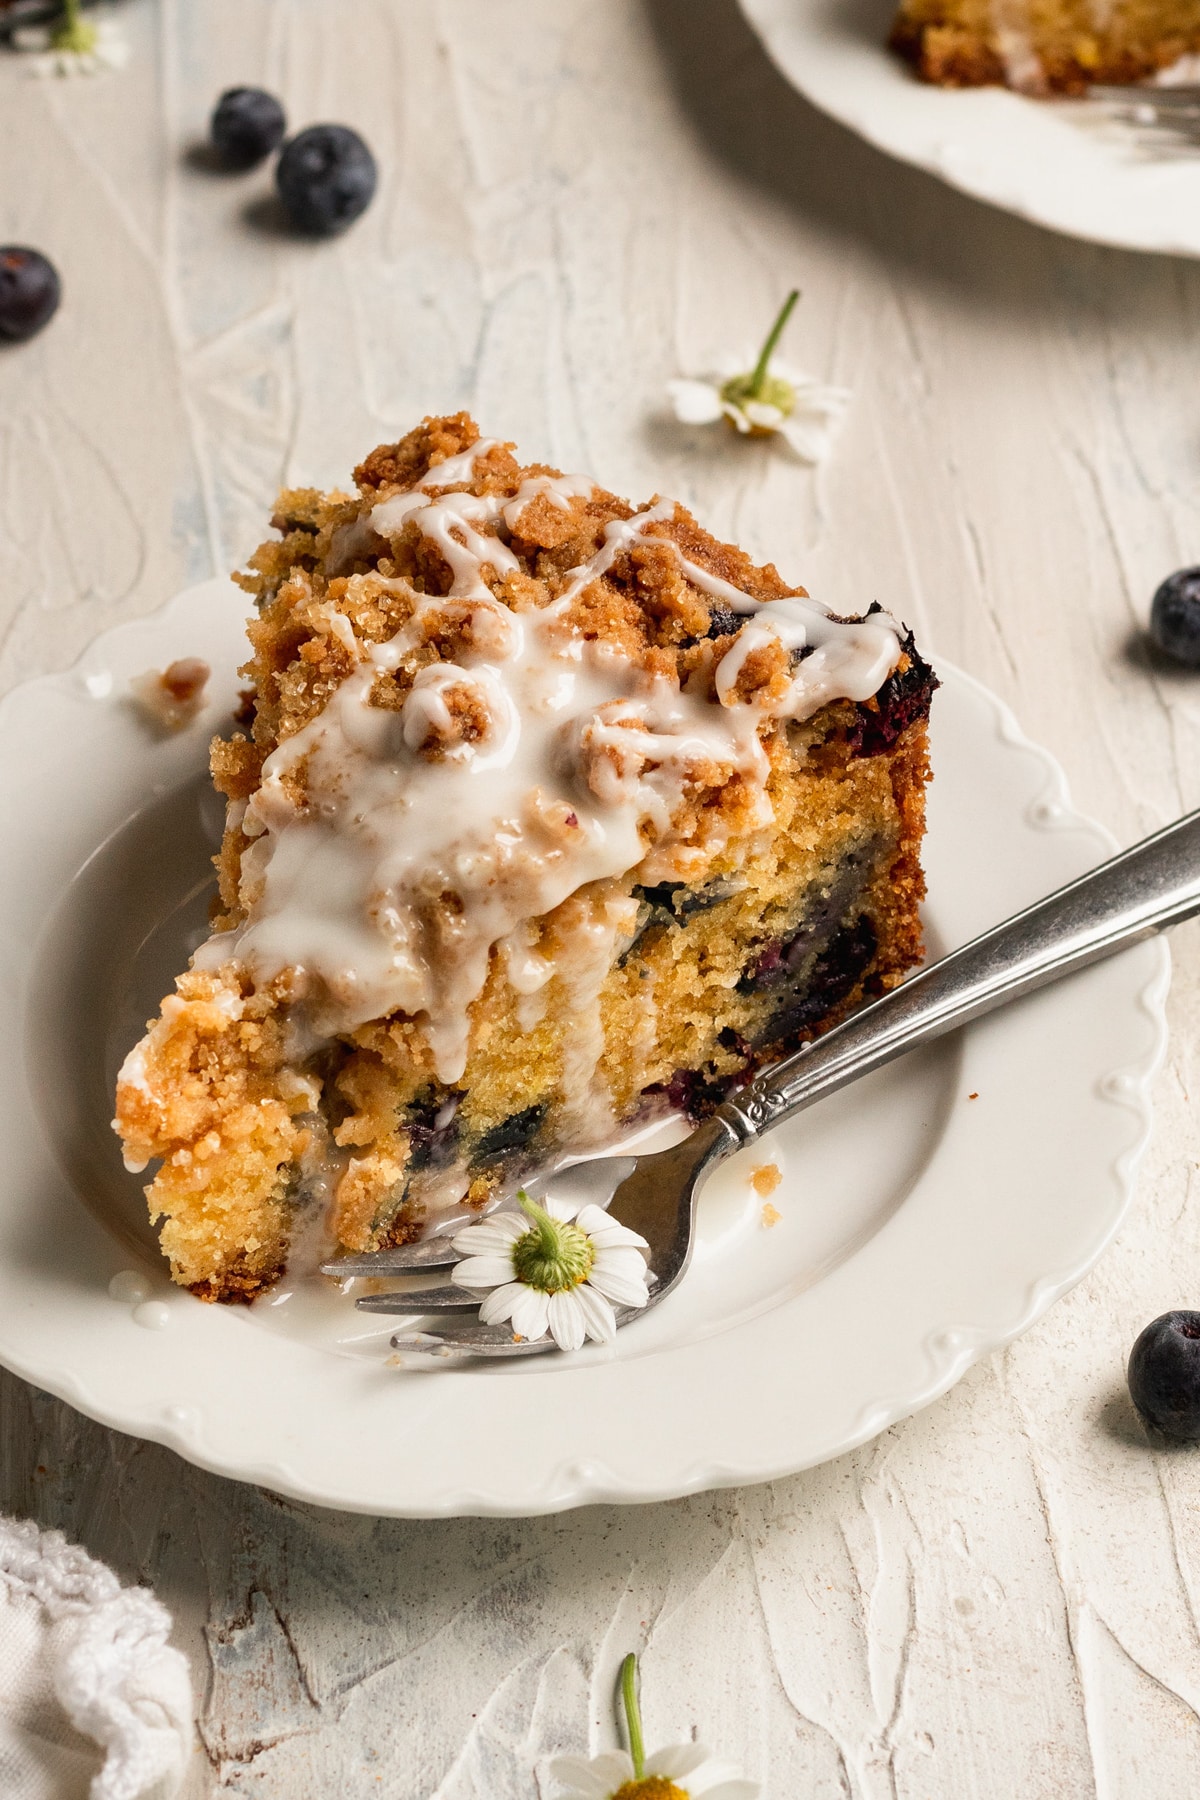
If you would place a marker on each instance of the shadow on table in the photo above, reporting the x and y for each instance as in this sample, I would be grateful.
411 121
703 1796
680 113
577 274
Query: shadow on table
1119 1422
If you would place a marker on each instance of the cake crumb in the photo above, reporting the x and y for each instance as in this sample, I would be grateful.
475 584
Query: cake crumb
972 1096
766 1178
770 1215
172 697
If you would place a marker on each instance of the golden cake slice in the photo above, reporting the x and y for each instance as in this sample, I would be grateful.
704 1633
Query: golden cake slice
550 813
1044 46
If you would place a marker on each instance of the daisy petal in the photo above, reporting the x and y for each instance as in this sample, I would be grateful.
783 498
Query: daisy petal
618 1287
585 1782
621 1261
479 1243
501 1230
735 415
615 1237
500 1302
598 1315
530 1313
721 1781
486 1241
676 1760
613 1766
763 414
482 1271
695 402
568 1324
604 1230
566 1210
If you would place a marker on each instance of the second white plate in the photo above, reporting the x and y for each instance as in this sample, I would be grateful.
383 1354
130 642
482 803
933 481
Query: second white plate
1058 163
925 1216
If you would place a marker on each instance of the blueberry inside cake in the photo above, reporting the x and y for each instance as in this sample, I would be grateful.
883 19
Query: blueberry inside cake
545 813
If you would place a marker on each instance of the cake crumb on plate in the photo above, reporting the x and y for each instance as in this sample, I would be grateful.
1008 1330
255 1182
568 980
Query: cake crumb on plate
172 697
765 1178
770 1215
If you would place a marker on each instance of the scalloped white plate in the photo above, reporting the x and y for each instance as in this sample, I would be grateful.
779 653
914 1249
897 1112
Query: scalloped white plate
925 1216
1061 164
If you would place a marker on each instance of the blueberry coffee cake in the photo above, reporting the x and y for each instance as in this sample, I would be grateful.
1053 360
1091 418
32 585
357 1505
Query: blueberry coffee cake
546 812
1044 46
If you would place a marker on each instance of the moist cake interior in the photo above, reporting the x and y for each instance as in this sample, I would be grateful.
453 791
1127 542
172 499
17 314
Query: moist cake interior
545 813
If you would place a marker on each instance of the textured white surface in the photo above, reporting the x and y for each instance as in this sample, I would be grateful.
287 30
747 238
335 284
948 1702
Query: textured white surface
581 198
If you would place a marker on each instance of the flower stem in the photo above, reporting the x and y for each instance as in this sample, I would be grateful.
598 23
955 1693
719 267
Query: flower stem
633 1715
74 33
544 1225
768 350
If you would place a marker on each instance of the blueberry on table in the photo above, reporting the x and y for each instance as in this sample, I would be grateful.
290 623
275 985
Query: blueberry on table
29 291
247 124
1175 617
326 177
1164 1375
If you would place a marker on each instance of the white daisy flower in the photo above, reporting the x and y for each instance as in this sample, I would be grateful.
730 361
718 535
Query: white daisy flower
681 1772
76 46
663 1777
770 398
552 1269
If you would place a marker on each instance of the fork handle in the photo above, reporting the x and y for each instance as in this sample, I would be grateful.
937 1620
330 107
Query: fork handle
1134 895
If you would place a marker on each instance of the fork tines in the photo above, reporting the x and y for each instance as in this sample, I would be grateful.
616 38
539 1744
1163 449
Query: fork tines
1170 108
1164 98
406 1259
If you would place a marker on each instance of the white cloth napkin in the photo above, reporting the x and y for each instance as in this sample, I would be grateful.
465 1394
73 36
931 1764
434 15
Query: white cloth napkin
94 1703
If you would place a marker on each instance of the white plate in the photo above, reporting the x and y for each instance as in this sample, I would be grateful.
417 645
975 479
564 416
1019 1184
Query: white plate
919 1227
1059 163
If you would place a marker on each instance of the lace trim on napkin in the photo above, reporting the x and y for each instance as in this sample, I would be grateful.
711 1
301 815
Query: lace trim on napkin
113 1672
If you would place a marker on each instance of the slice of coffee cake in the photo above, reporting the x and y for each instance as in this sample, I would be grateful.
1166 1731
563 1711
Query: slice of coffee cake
550 812
1044 46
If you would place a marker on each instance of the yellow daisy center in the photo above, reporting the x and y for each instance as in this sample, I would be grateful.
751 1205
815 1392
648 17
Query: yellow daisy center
770 390
651 1787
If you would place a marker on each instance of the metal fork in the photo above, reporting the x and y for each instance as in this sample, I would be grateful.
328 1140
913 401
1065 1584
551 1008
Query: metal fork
1168 117
1131 897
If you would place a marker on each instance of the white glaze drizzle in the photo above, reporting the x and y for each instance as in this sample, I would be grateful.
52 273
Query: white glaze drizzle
560 490
387 872
587 948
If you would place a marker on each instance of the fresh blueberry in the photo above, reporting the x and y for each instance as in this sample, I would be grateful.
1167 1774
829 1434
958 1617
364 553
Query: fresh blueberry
1175 617
29 291
326 178
246 126
1164 1375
